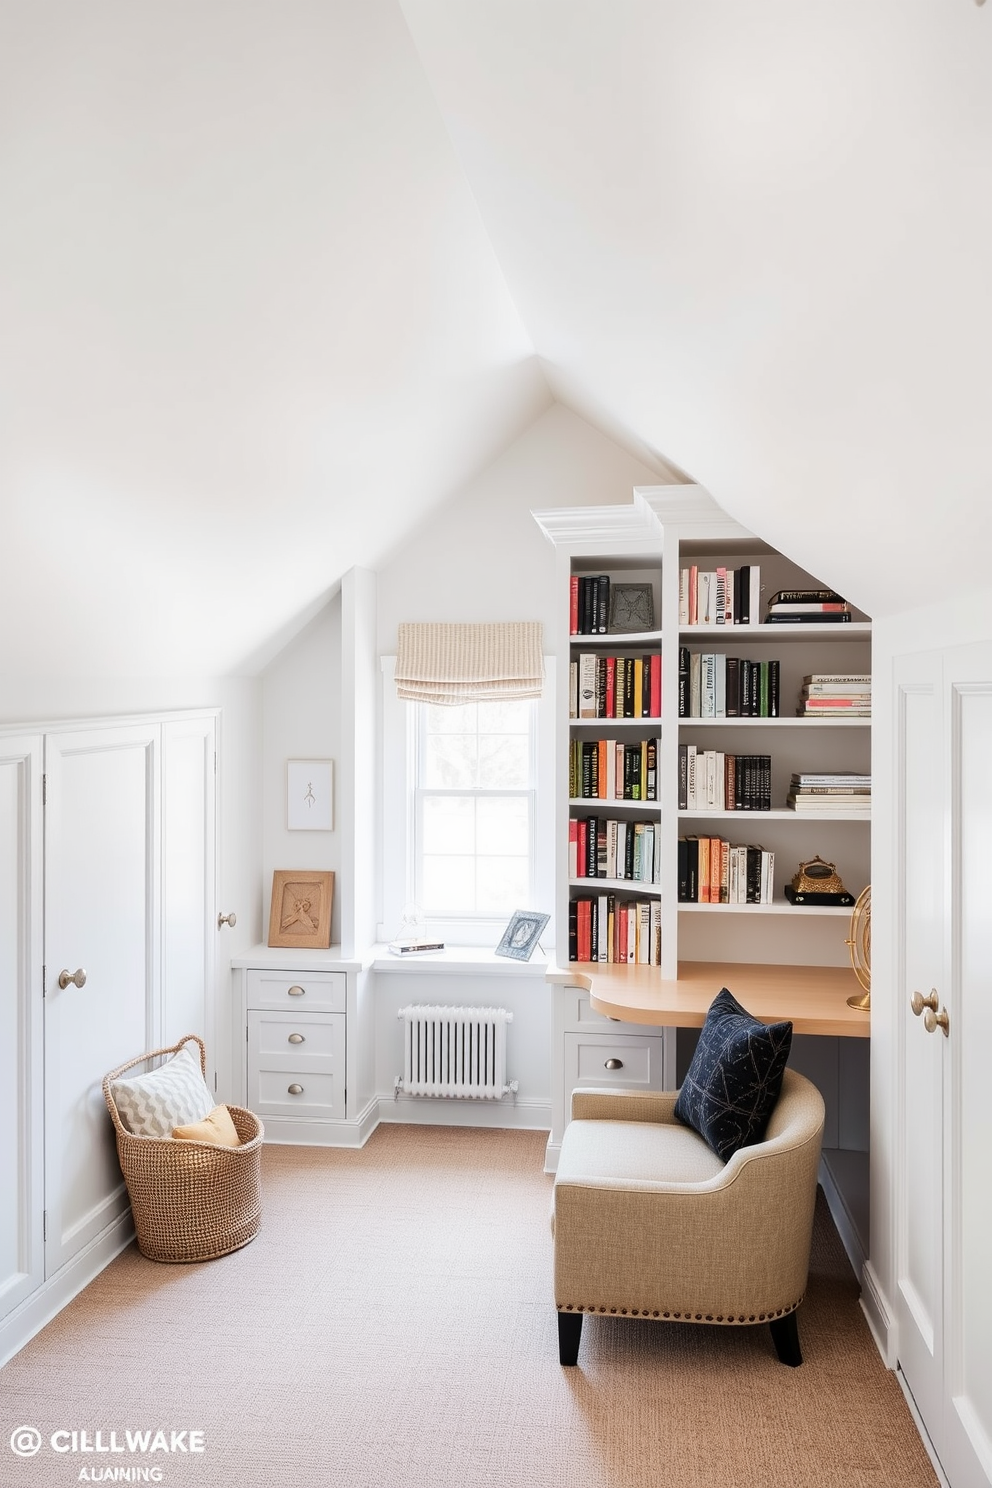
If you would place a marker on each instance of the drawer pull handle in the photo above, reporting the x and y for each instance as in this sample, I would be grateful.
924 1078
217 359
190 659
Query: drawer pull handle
296 1089
614 1064
297 991
296 1038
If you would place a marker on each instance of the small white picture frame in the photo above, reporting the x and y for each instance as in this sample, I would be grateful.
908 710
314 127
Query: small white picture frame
310 795
522 934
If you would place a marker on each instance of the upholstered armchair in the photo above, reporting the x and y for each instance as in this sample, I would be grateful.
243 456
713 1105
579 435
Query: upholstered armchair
649 1222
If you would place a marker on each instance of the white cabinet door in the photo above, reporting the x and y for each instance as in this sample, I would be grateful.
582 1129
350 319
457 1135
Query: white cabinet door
944 825
967 1456
101 916
920 899
21 1068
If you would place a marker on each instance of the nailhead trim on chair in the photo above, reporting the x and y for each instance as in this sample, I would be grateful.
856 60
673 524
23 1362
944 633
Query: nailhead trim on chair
685 1317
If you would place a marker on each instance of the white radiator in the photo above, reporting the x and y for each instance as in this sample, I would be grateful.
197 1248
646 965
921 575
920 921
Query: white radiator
455 1051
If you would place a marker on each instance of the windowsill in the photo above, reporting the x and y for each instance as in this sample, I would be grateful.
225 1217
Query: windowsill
457 960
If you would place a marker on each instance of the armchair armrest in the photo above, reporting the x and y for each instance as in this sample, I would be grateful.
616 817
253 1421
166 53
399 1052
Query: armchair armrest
624 1105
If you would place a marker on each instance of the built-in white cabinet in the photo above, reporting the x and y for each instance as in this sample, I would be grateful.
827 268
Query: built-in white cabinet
939 946
305 1058
106 950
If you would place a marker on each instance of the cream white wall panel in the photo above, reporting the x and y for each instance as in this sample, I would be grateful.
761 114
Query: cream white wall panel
189 916
21 1071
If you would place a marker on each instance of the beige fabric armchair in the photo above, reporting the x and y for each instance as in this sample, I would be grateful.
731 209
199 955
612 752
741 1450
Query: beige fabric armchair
649 1222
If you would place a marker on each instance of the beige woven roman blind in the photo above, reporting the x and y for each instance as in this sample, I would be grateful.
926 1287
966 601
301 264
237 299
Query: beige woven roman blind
443 663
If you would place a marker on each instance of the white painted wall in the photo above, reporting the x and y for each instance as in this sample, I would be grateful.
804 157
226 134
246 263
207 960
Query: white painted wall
483 556
301 709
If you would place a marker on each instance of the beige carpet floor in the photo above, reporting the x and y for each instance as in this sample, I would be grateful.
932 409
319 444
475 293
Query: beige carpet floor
392 1327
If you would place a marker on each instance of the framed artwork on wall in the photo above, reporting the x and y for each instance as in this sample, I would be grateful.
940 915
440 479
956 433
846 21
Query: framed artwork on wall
310 795
300 915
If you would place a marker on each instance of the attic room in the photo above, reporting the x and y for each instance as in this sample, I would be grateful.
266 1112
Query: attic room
318 321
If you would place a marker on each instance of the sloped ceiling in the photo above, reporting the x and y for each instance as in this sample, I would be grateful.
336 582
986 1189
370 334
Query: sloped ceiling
276 278
757 236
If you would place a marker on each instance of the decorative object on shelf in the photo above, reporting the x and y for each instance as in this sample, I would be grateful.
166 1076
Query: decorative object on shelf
817 882
411 939
859 944
301 908
522 934
631 608
310 795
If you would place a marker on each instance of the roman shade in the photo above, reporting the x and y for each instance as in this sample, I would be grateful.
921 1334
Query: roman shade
451 664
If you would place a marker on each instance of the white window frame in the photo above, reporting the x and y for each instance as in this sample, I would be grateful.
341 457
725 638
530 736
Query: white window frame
396 857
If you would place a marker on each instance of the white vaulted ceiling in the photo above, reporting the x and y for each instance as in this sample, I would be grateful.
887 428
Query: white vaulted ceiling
275 279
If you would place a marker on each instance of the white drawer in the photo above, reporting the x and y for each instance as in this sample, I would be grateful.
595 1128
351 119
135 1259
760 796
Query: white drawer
302 991
279 1040
308 1095
579 1015
629 1061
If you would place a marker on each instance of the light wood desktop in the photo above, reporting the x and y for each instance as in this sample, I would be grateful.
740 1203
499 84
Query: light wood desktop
813 997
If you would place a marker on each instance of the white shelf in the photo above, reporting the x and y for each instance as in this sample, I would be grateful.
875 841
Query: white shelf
778 907
611 885
778 814
597 802
773 723
617 723
615 639
854 630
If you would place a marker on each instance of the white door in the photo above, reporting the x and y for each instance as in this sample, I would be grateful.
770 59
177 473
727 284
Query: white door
21 1069
967 1455
920 901
102 892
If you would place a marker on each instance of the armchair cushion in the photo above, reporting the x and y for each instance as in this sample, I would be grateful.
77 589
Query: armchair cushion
733 1082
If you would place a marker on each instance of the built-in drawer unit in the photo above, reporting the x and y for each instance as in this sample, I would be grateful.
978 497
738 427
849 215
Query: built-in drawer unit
296 1064
578 1014
303 992
628 1061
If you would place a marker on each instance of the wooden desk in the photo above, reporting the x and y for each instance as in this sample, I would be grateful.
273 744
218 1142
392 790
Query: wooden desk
814 997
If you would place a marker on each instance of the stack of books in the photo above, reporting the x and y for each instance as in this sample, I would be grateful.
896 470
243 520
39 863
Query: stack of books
807 606
835 695
844 793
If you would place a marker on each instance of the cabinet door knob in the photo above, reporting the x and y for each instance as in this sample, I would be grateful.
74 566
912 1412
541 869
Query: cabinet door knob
297 991
918 1002
228 919
932 1021
296 1038
614 1064
77 978
296 1089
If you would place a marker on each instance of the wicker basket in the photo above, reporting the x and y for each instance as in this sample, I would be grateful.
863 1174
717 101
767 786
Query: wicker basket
191 1201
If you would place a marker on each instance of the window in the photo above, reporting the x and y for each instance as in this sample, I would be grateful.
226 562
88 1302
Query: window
467 812
474 790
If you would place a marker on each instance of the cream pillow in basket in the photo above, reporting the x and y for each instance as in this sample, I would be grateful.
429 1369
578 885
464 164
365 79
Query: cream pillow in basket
176 1094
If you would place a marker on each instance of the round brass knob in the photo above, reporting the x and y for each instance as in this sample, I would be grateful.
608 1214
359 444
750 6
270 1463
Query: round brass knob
77 978
932 1021
296 1038
302 992
614 1064
918 1002
296 1089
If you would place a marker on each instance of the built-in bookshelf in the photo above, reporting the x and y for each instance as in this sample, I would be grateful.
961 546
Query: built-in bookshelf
731 695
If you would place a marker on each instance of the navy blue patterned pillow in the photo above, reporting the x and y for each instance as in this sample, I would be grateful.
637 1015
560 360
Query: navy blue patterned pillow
734 1079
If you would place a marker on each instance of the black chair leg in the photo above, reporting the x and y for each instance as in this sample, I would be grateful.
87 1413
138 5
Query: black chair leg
785 1336
569 1333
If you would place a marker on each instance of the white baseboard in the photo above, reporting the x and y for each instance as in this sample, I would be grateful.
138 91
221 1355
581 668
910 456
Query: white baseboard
35 1311
292 1131
551 1155
879 1316
423 1110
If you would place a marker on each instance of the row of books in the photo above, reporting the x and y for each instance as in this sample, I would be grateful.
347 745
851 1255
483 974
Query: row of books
843 793
589 604
712 685
608 927
605 848
715 871
807 607
614 686
612 770
835 695
712 780
721 596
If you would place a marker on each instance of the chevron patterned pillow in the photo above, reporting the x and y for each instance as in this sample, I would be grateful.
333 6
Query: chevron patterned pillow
174 1095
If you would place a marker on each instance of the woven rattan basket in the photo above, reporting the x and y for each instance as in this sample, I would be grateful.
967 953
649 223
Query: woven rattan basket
191 1201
